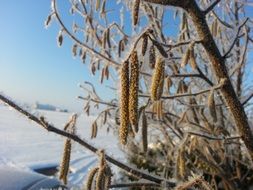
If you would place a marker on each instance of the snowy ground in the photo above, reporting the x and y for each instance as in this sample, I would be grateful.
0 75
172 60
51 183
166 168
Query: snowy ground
26 145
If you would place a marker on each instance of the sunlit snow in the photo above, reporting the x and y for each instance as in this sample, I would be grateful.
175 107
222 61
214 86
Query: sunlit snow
26 145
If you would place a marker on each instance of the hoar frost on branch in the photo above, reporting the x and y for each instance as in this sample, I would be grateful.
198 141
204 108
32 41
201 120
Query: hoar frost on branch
181 111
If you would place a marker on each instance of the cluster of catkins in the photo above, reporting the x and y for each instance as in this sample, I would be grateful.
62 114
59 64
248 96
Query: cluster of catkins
129 77
129 97
99 177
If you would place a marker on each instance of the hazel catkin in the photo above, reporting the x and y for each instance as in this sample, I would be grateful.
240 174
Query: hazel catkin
91 176
144 44
65 161
136 7
157 80
133 90
124 116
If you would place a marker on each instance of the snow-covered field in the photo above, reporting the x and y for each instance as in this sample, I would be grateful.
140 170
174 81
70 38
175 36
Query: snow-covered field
24 144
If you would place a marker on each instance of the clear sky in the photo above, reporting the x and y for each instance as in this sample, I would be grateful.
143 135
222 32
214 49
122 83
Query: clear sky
32 66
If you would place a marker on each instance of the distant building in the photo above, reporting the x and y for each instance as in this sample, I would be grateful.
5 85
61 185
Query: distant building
48 107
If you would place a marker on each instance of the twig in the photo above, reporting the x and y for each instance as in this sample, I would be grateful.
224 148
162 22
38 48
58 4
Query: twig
248 99
204 76
119 29
220 172
98 101
93 51
135 184
191 75
186 94
210 8
89 19
185 75
222 22
236 38
198 105
172 128
212 137
145 31
167 2
51 128
172 46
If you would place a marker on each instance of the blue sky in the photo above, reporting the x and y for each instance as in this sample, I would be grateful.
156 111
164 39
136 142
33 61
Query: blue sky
32 66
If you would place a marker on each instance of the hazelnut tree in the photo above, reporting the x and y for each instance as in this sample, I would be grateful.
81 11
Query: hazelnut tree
181 110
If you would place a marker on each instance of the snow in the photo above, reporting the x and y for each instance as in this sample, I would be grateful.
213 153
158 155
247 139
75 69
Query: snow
26 146
15 178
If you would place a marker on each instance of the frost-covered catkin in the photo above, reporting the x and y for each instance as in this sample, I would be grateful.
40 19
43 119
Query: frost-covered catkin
102 161
168 83
157 80
214 28
60 38
144 132
159 109
108 38
188 184
161 84
211 105
98 3
193 62
91 175
181 164
160 48
94 130
205 185
104 173
144 44
65 161
133 90
121 47
152 56
185 58
193 102
100 179
83 56
136 7
70 125
108 177
48 21
124 116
